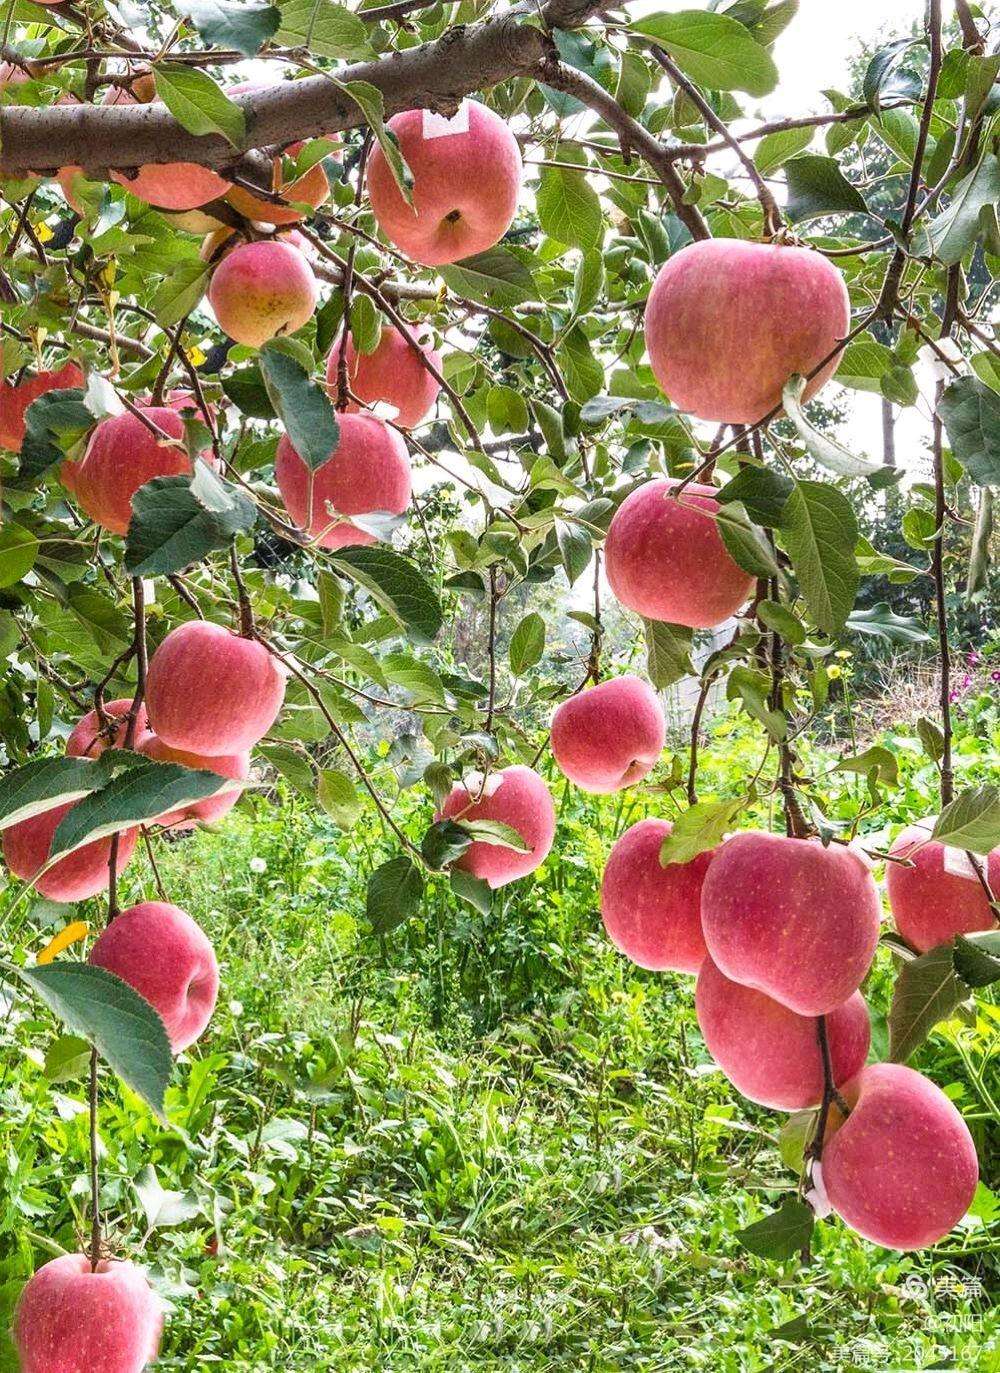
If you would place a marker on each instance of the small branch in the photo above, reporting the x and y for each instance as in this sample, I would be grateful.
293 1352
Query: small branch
96 1228
247 630
491 651
831 1096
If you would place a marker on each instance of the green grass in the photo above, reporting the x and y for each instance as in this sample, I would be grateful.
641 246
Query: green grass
484 1143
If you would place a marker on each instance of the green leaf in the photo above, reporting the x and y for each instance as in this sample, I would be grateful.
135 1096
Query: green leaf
782 1234
225 24
698 829
66 1058
875 759
977 958
18 551
762 493
931 737
396 584
303 407
883 622
583 370
569 209
198 103
927 991
575 549
338 796
714 50
668 652
780 619
443 843
177 521
324 29
751 687
825 450
293 766
394 894
495 277
817 186
879 79
952 234
53 423
819 530
864 363
971 821
745 543
369 100
970 411
527 643
47 782
122 1026
497 833
181 292
774 149
473 890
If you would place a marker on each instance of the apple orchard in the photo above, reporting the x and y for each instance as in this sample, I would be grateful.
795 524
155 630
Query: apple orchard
547 259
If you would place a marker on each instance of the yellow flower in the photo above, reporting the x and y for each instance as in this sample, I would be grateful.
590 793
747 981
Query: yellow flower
834 671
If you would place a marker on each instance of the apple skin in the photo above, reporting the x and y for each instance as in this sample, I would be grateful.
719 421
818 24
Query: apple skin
368 471
653 913
14 401
260 290
71 1320
609 736
81 874
665 558
771 1054
901 1170
167 958
86 740
212 808
168 185
465 187
392 374
312 188
122 455
211 692
728 322
929 905
794 920
518 797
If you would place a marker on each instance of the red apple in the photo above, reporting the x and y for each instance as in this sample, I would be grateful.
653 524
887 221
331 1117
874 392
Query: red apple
729 321
72 1320
466 179
653 913
393 375
517 797
368 471
771 1054
212 692
312 188
81 874
167 958
212 808
794 919
167 185
262 290
940 896
901 1170
14 400
86 739
665 558
609 736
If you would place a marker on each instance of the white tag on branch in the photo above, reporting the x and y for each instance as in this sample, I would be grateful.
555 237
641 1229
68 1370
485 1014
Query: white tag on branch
958 863
816 1196
101 398
479 786
441 125
149 590
943 360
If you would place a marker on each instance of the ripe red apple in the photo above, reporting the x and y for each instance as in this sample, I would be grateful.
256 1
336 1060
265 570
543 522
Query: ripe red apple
393 375
771 1054
653 913
940 896
368 471
261 290
122 455
466 179
166 956
665 558
901 1170
168 185
609 736
794 919
728 322
212 692
86 739
517 797
312 188
81 874
14 400
212 808
72 1320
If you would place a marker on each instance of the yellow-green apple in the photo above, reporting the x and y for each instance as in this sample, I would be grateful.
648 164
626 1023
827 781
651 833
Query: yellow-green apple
235 766
516 797
771 1054
665 558
168 959
901 1170
466 179
609 736
791 918
729 321
941 895
262 290
81 874
652 913
87 740
392 375
368 471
